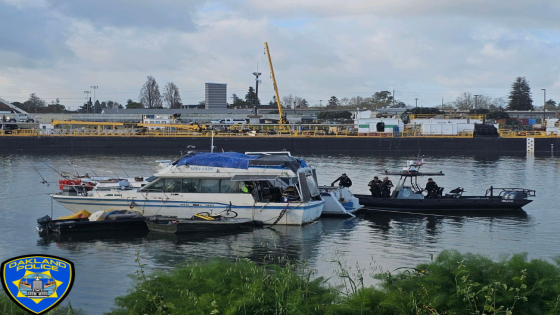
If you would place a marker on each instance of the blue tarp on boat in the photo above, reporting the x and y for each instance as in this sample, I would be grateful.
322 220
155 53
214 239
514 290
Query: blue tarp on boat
227 159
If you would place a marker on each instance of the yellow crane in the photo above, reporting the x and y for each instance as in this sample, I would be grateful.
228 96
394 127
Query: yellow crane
283 120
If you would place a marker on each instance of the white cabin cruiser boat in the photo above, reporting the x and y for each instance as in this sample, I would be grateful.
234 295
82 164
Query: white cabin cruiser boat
273 189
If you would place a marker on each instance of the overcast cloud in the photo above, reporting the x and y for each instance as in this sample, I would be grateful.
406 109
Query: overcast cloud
425 50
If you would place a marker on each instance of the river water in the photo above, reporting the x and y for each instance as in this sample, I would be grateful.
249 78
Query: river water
372 241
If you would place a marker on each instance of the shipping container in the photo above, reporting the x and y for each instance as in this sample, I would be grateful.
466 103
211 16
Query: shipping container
524 121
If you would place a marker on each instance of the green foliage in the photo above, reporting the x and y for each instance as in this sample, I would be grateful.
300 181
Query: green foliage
251 96
334 115
131 104
7 306
472 284
453 283
424 110
520 95
333 102
223 287
550 105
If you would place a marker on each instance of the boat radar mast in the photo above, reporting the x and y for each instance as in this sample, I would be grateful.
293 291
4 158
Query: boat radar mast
283 120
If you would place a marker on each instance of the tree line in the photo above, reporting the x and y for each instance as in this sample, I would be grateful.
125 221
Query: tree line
519 98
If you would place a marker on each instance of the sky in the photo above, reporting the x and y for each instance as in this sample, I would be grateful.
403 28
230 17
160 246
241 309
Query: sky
430 50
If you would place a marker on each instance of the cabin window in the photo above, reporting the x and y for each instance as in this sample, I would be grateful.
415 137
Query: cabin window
191 185
229 187
173 185
209 185
313 189
156 186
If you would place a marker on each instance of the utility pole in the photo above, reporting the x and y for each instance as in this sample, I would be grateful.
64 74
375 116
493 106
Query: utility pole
87 93
476 101
320 103
256 74
294 107
94 87
393 98
544 107
416 102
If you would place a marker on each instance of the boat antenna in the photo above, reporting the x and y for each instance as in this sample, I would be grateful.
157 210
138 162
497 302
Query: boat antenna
59 173
44 181
91 169
74 167
124 171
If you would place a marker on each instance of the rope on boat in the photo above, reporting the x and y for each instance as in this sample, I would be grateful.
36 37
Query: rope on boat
282 213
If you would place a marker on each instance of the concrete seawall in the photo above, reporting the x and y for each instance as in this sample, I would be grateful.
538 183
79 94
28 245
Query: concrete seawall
303 145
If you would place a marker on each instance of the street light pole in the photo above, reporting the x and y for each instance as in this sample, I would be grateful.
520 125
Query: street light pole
476 101
544 106
256 74
94 87
294 107
87 93
416 102
320 103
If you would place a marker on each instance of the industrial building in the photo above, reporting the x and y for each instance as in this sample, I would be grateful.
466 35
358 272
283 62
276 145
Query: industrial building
215 95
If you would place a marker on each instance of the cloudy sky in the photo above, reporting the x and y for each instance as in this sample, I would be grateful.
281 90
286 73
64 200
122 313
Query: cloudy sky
422 49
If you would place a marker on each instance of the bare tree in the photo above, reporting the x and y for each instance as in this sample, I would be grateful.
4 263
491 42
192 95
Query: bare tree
289 100
149 94
35 101
171 95
464 101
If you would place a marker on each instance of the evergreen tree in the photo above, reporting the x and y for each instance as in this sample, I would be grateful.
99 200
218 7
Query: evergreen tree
273 101
550 105
250 97
237 101
520 95
333 102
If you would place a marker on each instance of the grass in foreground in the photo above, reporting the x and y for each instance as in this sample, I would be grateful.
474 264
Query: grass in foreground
453 283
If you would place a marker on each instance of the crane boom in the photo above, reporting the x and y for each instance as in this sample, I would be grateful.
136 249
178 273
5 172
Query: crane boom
14 107
283 119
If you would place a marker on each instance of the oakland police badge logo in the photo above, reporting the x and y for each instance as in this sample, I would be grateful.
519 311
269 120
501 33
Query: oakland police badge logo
37 283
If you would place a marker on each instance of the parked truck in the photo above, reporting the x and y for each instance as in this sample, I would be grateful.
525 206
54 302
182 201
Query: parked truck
230 121
19 116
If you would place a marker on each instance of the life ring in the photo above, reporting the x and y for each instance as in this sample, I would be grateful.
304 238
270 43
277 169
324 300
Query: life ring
307 134
522 133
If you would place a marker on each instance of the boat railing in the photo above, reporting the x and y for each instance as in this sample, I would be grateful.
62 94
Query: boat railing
490 192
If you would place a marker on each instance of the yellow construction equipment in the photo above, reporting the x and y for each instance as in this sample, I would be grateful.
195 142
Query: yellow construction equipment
283 120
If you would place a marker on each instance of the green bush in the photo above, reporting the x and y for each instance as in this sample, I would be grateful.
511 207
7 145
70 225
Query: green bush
7 306
224 287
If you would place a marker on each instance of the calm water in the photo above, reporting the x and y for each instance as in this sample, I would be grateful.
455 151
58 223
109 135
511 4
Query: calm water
379 241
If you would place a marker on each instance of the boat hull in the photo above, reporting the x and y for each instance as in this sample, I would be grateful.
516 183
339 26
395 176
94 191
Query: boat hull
293 213
444 204
86 226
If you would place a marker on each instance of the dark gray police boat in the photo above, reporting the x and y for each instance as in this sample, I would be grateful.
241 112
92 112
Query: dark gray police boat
408 196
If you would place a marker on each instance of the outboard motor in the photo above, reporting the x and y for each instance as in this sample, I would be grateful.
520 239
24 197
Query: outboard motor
516 195
44 225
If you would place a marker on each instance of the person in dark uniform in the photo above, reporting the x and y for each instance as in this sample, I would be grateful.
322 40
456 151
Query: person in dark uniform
386 186
375 187
345 181
431 188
